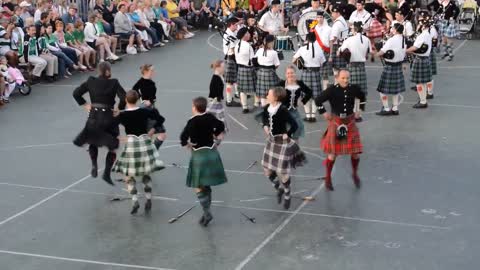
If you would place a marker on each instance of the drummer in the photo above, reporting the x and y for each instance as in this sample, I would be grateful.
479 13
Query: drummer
322 33
337 36
272 21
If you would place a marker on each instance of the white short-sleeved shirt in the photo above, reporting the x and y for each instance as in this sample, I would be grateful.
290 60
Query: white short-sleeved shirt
339 29
273 23
306 54
358 45
311 9
229 41
433 32
364 16
271 58
323 32
397 45
423 38
407 27
244 53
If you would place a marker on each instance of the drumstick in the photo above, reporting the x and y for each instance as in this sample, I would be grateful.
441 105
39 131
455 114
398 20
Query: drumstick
172 220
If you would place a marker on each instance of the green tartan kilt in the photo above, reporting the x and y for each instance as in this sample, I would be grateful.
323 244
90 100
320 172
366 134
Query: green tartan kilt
205 168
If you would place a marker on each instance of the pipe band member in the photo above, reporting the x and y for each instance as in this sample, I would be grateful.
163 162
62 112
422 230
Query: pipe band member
229 43
338 34
268 62
246 77
100 129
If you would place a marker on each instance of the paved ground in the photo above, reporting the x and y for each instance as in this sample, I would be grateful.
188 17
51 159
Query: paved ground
418 208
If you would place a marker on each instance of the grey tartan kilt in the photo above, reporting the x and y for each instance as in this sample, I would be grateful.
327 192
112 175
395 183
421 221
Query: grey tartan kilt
392 81
281 155
338 62
449 29
326 70
216 108
433 62
313 80
266 79
246 78
139 157
421 70
358 75
230 71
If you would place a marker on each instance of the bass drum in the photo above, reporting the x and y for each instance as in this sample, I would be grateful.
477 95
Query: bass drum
308 21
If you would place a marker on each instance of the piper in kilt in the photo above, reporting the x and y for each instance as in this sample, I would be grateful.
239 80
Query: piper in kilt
215 96
359 47
392 81
448 27
342 136
433 58
281 153
100 129
229 42
421 68
338 34
322 33
246 77
206 167
146 89
313 58
140 156
267 77
294 90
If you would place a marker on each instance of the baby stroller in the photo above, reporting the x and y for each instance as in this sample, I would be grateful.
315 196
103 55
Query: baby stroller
468 19
14 80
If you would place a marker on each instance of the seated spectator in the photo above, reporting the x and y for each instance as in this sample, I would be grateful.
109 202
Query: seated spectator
8 9
174 15
44 21
60 7
55 49
152 31
257 6
124 28
16 42
54 64
54 18
142 29
85 53
184 6
6 29
17 19
107 14
112 41
24 14
161 15
71 16
29 6
200 13
96 41
42 6
150 16
60 35
11 77
214 7
31 54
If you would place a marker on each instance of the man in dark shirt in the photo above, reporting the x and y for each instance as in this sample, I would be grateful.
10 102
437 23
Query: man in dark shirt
342 136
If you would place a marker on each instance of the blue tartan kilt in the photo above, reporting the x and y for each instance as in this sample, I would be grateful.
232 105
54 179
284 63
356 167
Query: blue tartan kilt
300 132
313 80
421 70
230 71
338 62
246 80
433 61
449 29
358 75
392 81
326 70
266 79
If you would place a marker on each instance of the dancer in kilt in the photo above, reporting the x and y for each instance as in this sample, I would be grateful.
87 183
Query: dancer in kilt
392 81
313 59
359 47
139 157
338 34
246 78
268 62
229 42
421 68
342 136
281 153
322 33
215 96
448 27
100 129
295 89
146 89
206 167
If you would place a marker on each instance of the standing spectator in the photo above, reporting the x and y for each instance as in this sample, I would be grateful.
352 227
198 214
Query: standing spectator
124 28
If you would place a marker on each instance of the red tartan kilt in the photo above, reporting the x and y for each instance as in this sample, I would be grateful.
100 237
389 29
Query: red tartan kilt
348 146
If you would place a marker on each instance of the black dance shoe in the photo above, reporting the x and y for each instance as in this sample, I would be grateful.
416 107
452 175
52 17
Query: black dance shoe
420 106
135 208
395 112
383 112
148 205
429 96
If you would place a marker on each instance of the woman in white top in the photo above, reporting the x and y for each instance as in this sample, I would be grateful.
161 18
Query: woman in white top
268 62
97 42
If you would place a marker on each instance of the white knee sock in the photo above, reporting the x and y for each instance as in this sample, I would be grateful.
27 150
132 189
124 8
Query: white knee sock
308 109
430 88
395 101
384 99
243 100
422 93
229 93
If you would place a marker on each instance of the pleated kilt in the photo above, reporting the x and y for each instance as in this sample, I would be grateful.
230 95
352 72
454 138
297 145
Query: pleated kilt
246 78
230 70
326 70
392 81
313 80
433 62
139 157
100 129
266 79
281 155
350 145
300 132
216 108
449 29
421 70
205 168
338 62
358 75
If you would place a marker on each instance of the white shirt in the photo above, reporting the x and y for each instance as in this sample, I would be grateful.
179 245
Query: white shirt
244 53
323 32
339 29
270 60
229 42
358 45
423 38
311 9
433 32
306 54
395 44
407 25
273 23
363 16
90 32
